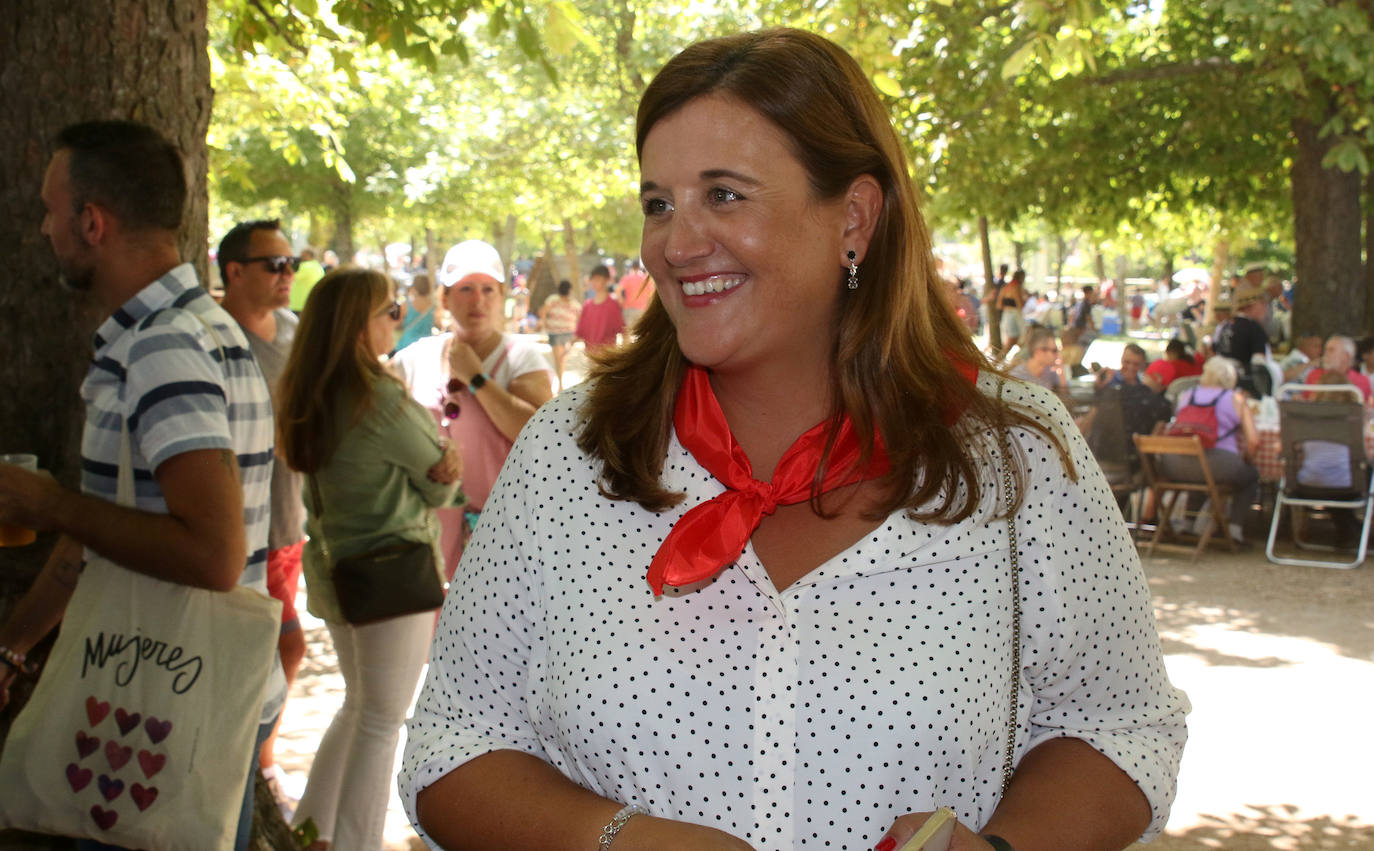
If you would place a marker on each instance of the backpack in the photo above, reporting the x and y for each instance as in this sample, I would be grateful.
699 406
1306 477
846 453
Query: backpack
1200 420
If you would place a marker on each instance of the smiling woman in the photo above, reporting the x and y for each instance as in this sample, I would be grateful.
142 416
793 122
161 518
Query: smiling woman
785 614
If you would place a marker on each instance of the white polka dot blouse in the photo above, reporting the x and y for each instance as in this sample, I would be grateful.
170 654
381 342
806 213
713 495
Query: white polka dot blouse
876 685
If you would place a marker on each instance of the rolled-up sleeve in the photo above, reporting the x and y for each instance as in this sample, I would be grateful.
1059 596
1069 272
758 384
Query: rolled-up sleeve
490 634
1091 652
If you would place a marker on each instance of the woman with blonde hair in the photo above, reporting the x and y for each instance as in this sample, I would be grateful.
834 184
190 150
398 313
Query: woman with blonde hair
376 470
1229 460
1042 365
787 616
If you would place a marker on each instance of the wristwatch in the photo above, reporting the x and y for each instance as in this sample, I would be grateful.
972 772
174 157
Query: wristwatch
478 381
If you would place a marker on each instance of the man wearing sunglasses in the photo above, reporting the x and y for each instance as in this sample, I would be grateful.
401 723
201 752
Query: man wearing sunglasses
257 269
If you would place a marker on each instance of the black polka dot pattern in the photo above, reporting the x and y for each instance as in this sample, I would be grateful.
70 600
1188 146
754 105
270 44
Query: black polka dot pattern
876 685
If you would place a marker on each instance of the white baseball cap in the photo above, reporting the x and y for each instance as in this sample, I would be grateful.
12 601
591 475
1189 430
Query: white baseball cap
471 258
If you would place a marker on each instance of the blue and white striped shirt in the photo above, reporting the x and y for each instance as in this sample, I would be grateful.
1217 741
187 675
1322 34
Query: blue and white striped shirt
157 365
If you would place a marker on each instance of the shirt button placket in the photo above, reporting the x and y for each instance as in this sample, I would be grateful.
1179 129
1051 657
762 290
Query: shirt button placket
775 728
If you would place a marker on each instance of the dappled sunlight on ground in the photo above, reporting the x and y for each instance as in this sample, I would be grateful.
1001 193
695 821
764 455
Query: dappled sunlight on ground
1279 665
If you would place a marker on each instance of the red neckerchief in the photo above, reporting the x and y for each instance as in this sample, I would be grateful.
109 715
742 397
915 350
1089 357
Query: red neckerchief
712 534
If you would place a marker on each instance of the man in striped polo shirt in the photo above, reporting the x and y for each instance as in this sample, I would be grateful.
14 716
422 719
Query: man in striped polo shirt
196 407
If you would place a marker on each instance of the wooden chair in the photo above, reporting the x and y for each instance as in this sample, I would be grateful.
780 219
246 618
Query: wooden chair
1151 448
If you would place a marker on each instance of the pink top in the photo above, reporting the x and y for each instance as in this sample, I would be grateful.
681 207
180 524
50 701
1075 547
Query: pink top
1352 377
423 366
635 290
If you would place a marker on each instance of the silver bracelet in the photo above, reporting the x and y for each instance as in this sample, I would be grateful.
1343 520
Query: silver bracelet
617 822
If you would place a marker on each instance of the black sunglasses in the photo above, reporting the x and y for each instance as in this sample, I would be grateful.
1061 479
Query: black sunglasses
275 263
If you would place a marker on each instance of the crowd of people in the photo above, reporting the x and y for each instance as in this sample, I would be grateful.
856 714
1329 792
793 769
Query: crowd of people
756 582
1239 363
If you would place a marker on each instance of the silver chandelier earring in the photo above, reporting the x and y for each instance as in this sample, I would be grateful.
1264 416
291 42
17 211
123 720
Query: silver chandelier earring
853 273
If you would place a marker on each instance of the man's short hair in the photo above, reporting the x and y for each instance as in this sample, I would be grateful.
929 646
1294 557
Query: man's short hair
235 245
1138 350
129 169
601 271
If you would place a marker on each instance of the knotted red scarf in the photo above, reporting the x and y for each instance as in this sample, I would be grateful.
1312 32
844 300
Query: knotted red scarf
712 535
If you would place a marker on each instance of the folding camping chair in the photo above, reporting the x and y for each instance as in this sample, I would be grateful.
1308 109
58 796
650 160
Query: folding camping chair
1154 446
1340 425
1178 386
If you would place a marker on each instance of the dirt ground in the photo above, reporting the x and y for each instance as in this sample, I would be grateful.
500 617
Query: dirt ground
1279 665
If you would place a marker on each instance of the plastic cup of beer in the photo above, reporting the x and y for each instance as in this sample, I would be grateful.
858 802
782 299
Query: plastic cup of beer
18 536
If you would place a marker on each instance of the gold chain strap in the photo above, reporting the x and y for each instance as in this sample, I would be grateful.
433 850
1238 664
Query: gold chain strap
1009 489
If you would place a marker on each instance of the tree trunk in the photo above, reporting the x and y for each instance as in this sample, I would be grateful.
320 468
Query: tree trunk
1060 249
1122 297
506 244
570 256
1221 255
319 234
69 62
1168 273
1329 297
994 310
1369 252
343 223
433 257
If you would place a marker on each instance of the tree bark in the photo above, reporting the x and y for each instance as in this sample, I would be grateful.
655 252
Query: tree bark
570 256
506 243
1369 252
1122 297
433 256
1220 257
343 223
994 310
61 63
1330 294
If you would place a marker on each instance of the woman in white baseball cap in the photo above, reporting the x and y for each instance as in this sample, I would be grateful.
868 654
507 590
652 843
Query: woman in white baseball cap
480 383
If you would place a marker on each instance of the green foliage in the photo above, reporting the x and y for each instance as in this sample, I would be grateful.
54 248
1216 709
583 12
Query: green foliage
1165 123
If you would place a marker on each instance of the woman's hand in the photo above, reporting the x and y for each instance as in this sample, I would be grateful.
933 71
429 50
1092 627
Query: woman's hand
463 362
905 827
447 469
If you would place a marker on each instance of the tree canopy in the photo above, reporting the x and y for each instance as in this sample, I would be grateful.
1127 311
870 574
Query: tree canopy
1163 122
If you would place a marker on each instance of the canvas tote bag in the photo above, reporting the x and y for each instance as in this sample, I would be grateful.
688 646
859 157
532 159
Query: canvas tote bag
141 730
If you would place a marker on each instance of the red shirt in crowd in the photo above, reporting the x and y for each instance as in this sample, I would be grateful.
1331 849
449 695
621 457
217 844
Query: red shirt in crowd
1352 377
1165 371
599 323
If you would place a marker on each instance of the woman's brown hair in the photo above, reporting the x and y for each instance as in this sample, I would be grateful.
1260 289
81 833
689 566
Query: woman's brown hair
327 382
899 340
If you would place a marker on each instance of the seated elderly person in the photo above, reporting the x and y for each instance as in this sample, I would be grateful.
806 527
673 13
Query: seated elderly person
1339 357
1229 465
